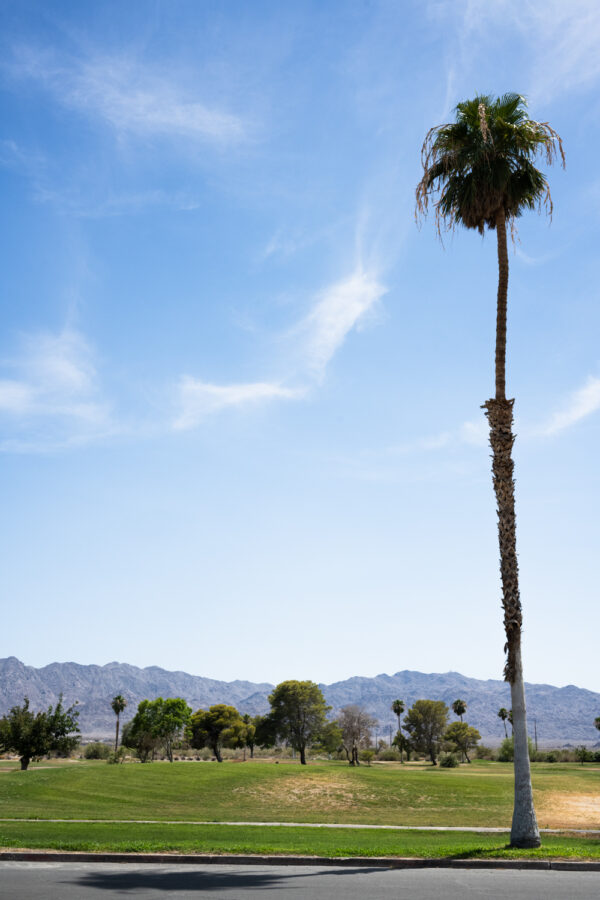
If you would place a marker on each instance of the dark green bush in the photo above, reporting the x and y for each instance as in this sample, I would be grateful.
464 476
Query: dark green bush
449 761
97 750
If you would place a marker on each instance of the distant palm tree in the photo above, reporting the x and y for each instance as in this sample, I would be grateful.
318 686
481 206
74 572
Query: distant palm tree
459 708
480 170
597 722
398 709
503 714
118 704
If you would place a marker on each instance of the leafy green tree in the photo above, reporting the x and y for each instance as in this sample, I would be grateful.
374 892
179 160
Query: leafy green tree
32 735
172 717
583 755
481 171
298 711
398 709
142 733
503 714
158 723
266 732
459 708
118 704
464 736
330 738
403 745
217 727
248 734
426 722
356 726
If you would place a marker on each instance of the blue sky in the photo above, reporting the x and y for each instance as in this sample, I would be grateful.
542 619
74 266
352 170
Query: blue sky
240 390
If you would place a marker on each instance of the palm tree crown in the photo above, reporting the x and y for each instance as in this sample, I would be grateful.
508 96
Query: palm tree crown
482 164
118 704
459 707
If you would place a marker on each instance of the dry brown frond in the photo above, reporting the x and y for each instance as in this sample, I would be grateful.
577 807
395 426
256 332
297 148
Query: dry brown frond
552 138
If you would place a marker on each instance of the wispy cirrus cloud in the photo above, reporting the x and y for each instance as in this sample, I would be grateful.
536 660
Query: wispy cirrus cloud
133 98
581 404
199 399
561 59
336 311
51 389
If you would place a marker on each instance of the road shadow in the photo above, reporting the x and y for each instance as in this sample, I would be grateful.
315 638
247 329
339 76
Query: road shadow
193 879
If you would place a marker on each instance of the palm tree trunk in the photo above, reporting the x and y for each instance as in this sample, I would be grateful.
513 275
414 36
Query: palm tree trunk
117 736
524 832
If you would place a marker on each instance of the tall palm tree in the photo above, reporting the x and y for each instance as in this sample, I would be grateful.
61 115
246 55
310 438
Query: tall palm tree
118 704
459 708
398 709
503 714
478 171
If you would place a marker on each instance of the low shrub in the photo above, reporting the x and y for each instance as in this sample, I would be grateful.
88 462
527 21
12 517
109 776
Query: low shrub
506 753
97 750
388 755
449 761
366 756
483 752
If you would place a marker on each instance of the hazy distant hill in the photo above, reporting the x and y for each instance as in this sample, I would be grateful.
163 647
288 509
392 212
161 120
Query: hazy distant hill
563 715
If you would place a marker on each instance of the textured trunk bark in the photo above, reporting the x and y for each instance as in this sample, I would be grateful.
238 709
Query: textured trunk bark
302 755
117 736
217 752
524 832
25 760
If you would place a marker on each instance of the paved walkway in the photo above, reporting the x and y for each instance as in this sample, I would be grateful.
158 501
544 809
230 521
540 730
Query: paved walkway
470 828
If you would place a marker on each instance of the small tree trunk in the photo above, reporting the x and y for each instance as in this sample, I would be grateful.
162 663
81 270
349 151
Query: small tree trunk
217 752
302 755
117 736
25 760
524 832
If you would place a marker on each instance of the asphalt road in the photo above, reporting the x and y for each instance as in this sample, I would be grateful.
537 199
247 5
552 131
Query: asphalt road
81 881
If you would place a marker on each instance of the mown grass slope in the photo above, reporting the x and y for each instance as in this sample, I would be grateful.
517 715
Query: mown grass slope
567 796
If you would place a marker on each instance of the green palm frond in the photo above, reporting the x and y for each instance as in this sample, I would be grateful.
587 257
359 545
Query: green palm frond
484 163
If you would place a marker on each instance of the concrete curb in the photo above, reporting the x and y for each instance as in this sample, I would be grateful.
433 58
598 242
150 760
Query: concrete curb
379 862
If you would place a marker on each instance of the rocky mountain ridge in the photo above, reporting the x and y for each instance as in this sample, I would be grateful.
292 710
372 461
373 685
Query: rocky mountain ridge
560 715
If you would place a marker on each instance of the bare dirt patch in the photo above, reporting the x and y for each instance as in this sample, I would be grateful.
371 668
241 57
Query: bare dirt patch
557 809
302 791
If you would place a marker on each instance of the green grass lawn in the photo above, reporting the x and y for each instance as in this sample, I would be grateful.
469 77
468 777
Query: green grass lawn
335 842
567 796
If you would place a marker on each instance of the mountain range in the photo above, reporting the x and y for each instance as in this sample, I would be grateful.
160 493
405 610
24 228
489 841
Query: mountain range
561 716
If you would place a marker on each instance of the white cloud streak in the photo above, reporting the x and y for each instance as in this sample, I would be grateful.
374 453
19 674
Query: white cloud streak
130 97
199 399
557 43
582 403
337 311
54 381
